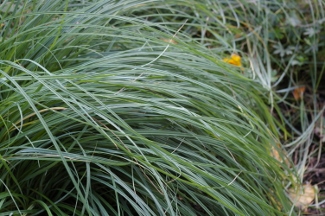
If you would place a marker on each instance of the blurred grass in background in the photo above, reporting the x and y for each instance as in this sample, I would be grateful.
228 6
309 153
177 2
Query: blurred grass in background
132 108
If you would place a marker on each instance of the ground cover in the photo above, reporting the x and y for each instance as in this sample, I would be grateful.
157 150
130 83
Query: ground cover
161 107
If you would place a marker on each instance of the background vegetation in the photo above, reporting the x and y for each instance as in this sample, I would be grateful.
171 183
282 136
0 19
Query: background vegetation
137 107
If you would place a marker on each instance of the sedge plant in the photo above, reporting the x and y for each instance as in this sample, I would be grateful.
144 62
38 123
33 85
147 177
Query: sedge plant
105 111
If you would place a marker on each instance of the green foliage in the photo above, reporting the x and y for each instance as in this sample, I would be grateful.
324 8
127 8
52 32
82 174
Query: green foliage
101 116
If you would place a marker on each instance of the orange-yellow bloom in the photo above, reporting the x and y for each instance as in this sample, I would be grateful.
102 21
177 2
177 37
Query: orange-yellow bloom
234 60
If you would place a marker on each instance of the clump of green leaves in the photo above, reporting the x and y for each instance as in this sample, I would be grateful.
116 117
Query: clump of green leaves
102 115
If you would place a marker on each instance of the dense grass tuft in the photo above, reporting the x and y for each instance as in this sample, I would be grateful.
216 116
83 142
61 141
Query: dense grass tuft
106 112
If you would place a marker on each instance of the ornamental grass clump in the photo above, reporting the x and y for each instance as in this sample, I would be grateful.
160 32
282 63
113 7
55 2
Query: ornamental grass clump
101 116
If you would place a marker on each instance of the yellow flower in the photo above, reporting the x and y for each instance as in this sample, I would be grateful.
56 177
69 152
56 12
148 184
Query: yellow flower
234 60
